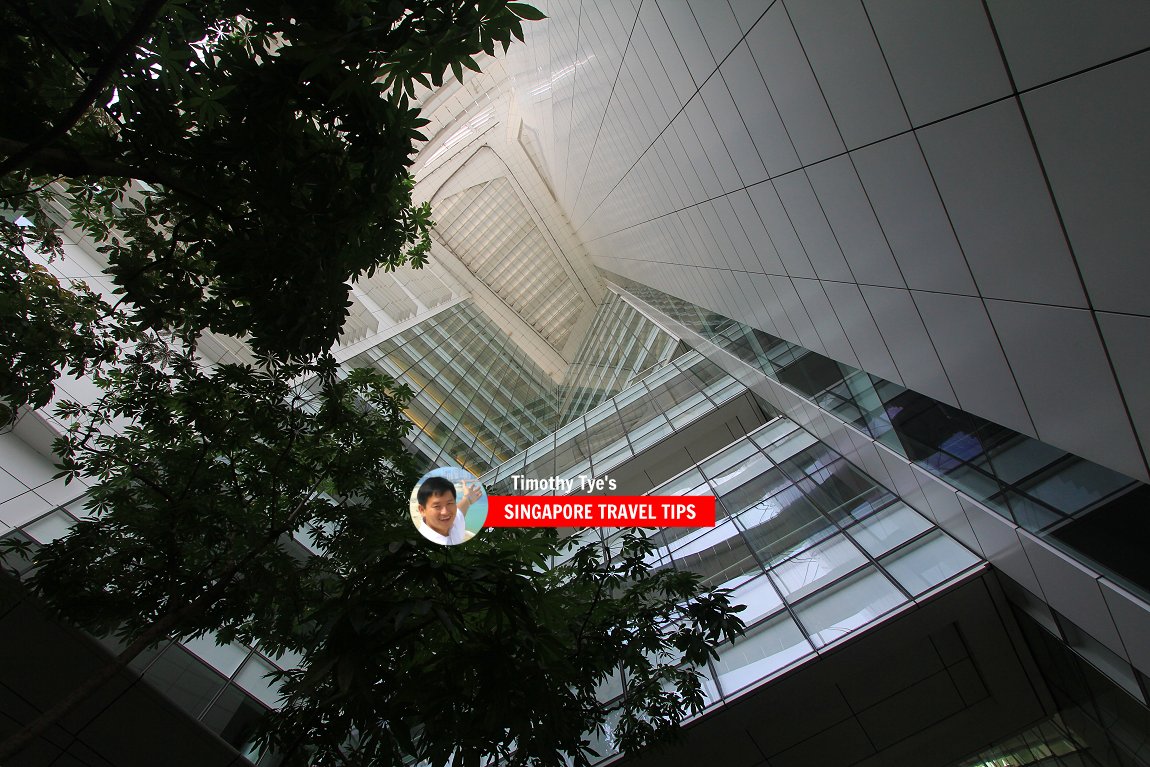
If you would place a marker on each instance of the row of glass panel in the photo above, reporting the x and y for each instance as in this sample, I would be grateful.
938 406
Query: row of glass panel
633 420
478 399
619 345
1038 487
815 549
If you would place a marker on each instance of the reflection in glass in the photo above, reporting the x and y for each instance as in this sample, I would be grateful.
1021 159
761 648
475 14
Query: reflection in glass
774 431
720 556
809 461
849 604
684 484
1022 479
224 658
727 480
785 523
687 412
760 598
1074 486
234 716
754 491
928 562
253 677
893 525
731 456
785 448
847 494
816 567
184 679
764 650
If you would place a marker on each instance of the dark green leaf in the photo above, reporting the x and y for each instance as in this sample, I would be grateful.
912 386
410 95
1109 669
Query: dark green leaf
525 11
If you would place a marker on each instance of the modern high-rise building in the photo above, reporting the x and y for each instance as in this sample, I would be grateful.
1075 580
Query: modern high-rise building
865 270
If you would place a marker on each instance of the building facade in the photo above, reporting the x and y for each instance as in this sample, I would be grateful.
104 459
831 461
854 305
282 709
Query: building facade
867 271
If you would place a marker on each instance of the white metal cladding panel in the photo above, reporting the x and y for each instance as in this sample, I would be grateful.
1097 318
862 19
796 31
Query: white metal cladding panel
902 151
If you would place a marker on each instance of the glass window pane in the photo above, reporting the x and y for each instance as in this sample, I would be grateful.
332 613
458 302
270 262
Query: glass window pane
606 410
1070 488
928 562
849 493
538 449
760 598
651 433
604 462
756 489
662 376
569 430
253 677
720 556
817 567
1021 457
799 440
857 601
774 431
893 525
731 456
571 472
683 484
1027 512
764 650
638 412
234 716
49 528
543 466
224 658
742 472
784 524
813 458
689 411
610 688
184 679
568 455
729 391
603 743
629 395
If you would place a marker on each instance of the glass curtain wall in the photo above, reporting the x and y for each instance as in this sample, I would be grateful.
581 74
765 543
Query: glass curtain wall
478 398
814 548
621 346
641 415
1050 492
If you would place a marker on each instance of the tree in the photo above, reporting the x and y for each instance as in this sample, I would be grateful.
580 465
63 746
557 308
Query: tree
45 327
493 651
238 164
203 478
239 160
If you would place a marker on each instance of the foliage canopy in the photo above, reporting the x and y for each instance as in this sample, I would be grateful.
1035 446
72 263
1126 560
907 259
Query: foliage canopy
239 160
237 163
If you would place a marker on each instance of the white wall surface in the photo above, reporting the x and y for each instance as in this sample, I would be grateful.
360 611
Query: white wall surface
951 199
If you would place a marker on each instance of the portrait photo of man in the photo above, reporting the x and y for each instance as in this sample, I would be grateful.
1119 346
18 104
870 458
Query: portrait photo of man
442 506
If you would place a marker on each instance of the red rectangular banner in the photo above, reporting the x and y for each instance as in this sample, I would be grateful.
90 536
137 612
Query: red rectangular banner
600 511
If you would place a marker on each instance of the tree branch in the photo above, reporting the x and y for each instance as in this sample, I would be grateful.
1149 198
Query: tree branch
29 190
67 162
126 280
91 92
